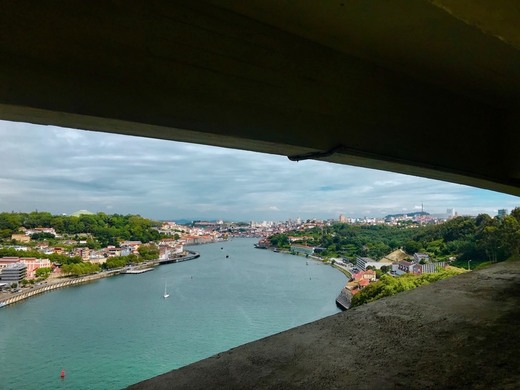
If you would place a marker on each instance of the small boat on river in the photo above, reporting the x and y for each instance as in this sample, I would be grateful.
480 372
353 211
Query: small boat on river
166 295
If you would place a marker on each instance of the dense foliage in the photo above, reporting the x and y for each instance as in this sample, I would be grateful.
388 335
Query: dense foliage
78 269
346 240
480 239
43 272
390 285
107 229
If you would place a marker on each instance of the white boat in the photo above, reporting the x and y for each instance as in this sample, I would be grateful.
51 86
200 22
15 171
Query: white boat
166 295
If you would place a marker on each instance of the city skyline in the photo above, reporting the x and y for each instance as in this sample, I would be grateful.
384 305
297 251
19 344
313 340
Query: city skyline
60 170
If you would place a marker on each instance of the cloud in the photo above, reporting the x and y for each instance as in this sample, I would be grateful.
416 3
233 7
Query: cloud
64 170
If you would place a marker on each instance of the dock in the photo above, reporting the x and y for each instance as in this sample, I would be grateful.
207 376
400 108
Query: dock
137 271
192 255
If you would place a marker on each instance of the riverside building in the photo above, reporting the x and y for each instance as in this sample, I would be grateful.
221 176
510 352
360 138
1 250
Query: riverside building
13 273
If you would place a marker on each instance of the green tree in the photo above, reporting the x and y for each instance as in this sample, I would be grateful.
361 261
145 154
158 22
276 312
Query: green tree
43 272
42 236
412 246
10 222
389 285
279 240
149 252
79 269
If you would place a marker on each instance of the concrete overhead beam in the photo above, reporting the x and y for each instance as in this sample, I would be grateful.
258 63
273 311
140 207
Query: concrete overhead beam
195 72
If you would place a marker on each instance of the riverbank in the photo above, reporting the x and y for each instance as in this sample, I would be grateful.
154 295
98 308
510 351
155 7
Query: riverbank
54 283
117 331
344 298
50 285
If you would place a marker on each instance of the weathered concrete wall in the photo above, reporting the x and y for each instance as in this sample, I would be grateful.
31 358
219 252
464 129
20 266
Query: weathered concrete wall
462 332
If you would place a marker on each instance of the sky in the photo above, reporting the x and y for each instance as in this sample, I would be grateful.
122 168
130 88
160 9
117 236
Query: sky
60 170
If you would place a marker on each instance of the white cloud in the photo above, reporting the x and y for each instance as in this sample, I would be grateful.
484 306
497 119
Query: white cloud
64 170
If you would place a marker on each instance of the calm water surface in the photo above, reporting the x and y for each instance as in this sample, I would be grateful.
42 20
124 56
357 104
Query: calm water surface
117 331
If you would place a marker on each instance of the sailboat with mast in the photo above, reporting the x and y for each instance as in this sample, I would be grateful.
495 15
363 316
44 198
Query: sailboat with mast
166 295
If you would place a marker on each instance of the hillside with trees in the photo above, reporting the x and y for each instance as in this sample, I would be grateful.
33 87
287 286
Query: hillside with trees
107 229
481 239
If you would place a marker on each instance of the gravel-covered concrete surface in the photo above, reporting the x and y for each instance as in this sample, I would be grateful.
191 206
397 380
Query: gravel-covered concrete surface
461 333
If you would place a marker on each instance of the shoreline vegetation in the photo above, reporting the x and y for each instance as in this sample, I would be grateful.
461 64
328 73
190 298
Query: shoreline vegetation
457 245
57 282
481 240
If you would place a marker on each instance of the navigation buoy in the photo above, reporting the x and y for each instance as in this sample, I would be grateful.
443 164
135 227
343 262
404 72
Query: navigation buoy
62 375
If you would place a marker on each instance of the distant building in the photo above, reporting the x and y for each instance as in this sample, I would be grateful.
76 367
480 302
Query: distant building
402 267
33 264
365 262
502 213
417 257
406 267
112 251
7 261
97 258
48 230
20 237
83 252
342 218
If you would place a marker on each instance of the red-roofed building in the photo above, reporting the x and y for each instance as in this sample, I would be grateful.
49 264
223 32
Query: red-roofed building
363 283
369 275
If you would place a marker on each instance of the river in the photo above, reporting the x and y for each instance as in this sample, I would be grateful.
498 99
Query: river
120 330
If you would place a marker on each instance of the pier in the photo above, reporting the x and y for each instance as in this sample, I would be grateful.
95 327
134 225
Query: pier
137 271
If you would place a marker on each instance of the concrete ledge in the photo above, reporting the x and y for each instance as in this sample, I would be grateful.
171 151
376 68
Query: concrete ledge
461 332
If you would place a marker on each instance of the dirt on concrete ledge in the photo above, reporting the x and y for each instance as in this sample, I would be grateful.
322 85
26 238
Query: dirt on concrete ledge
462 332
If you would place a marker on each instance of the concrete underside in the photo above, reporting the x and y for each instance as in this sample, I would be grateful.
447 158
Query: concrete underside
461 332
428 88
